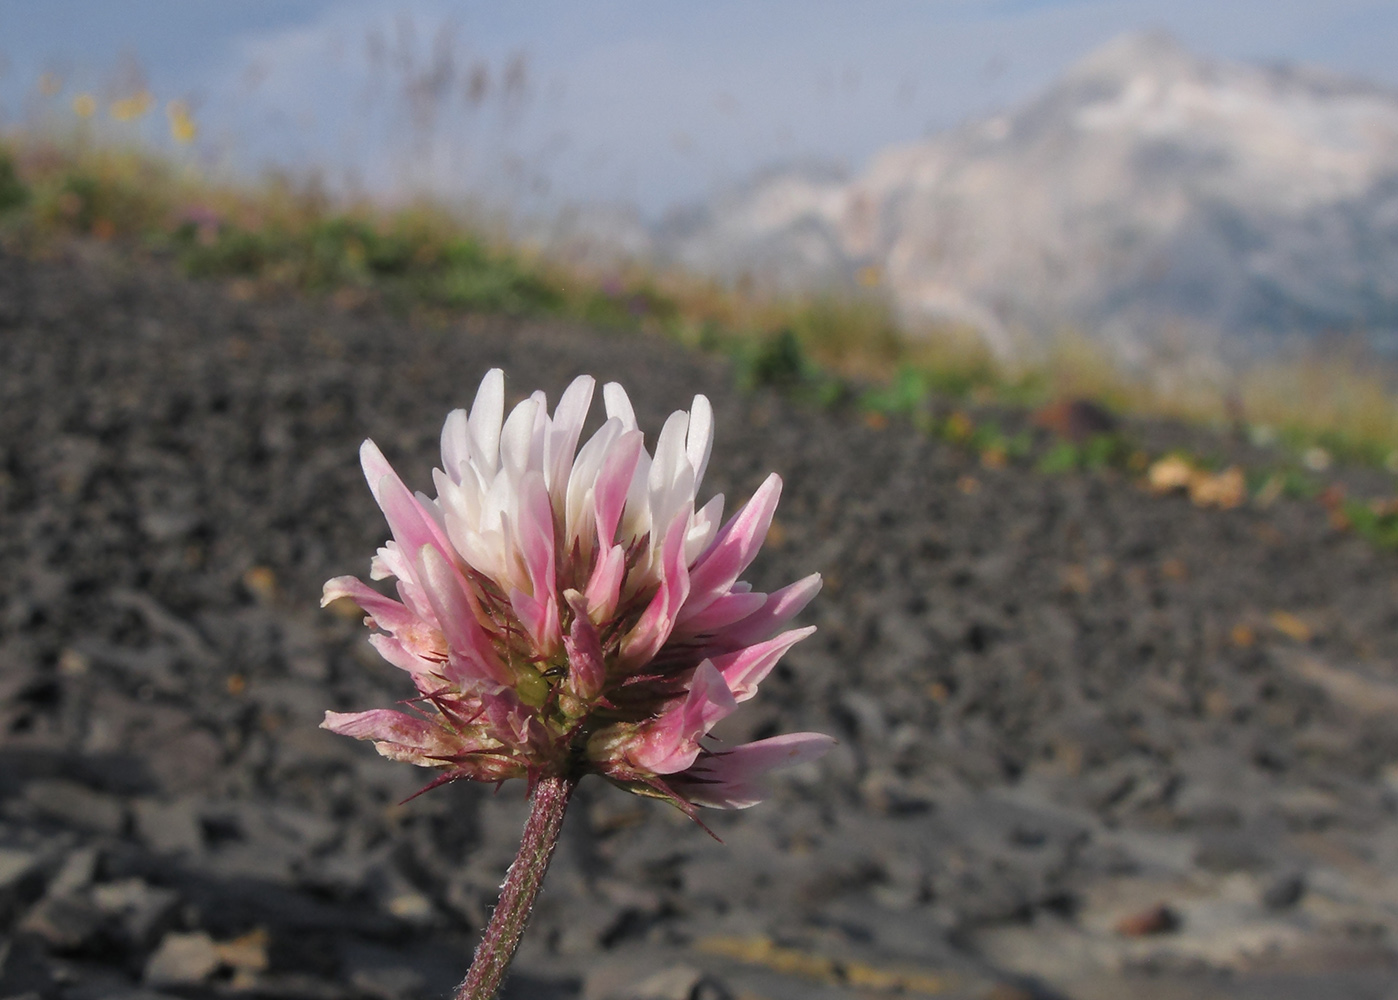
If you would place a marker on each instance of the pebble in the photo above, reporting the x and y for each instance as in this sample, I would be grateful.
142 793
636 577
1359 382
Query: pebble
182 959
76 805
20 877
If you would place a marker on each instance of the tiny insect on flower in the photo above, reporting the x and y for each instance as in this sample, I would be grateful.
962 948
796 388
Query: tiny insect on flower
566 610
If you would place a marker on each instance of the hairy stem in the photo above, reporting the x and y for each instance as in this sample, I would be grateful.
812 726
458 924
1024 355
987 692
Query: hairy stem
521 886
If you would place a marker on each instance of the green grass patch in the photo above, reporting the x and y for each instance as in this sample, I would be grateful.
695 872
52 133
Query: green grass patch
1376 521
281 234
1098 452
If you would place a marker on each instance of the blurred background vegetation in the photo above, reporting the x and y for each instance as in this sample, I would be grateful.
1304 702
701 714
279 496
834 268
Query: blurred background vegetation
125 166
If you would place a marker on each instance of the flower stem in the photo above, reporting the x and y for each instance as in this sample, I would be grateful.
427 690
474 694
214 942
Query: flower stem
521 886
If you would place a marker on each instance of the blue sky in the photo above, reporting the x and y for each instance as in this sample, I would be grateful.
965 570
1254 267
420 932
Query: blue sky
646 102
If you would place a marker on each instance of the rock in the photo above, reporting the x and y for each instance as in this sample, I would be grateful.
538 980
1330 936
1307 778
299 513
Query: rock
23 970
140 910
183 759
679 982
65 923
182 960
1009 991
407 972
411 906
1308 808
245 954
1284 892
388 982
1158 919
21 879
675 982
75 873
76 805
169 827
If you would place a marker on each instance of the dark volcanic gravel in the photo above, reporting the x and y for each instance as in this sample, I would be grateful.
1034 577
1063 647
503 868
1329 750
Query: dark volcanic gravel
1093 743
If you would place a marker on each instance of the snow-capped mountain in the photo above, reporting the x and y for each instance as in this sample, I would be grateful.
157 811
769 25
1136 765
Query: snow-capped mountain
1148 193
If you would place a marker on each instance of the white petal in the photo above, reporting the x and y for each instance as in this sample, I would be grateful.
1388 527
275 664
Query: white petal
486 414
700 441
705 527
456 444
669 453
517 437
563 435
619 405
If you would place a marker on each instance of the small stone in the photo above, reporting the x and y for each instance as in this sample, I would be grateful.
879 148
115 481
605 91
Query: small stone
77 805
245 954
65 923
678 982
388 982
16 865
1008 991
1285 892
21 879
23 970
182 960
77 872
1308 808
1159 919
411 906
186 759
139 908
169 827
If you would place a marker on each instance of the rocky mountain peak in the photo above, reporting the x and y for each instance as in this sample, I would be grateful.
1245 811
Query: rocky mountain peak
1156 54
1149 190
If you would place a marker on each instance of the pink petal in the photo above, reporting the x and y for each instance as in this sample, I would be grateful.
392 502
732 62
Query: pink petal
535 533
416 634
656 622
539 618
613 483
512 722
413 596
725 610
412 526
387 613
604 586
396 652
587 670
744 670
581 480
474 660
731 779
734 549
782 606
670 742
396 735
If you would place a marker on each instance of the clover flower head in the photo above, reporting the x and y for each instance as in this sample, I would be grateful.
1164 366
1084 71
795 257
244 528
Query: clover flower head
564 610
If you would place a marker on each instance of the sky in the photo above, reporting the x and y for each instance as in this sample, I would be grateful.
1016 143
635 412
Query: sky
535 105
